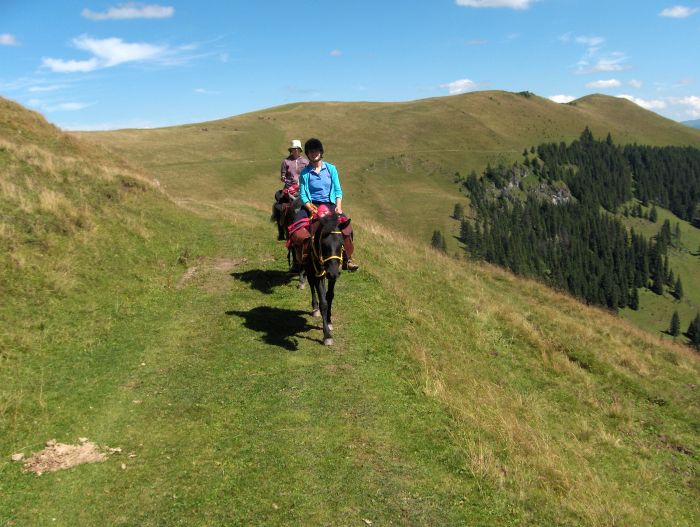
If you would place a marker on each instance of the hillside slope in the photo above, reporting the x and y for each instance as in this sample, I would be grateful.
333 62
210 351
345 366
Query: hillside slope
456 394
379 147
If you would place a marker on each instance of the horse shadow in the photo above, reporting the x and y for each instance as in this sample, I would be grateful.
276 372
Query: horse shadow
280 327
264 280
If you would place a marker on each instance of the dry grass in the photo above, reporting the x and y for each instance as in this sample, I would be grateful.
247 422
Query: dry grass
496 349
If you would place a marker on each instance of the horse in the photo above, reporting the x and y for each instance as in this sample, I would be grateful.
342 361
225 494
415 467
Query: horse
284 210
322 264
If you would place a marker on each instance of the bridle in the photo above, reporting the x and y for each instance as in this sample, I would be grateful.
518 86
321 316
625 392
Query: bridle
318 259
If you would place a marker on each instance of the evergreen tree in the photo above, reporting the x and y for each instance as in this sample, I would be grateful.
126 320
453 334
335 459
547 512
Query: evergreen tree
658 278
466 234
653 214
678 289
675 327
693 332
438 242
634 299
458 212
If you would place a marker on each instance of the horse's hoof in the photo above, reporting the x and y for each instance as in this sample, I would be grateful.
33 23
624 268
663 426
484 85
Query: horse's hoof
316 313
330 327
327 342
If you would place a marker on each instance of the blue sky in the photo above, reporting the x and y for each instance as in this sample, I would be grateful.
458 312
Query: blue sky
103 64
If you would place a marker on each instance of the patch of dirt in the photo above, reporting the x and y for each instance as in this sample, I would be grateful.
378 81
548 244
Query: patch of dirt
209 266
59 456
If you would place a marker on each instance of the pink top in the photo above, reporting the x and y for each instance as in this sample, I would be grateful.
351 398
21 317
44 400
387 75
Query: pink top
291 168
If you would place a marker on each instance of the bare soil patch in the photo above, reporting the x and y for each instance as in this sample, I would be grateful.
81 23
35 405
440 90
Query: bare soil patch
207 267
59 456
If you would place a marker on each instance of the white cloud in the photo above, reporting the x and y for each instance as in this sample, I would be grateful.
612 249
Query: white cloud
115 125
68 107
612 62
562 99
7 40
61 107
70 66
648 104
459 86
107 52
37 89
635 83
679 11
609 83
204 91
113 51
336 53
691 104
511 4
590 41
131 10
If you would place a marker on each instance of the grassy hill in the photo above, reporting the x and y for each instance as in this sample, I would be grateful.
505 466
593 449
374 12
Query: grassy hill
164 324
398 161
379 147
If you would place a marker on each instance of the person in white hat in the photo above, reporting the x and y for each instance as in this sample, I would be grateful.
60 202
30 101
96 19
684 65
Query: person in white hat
292 164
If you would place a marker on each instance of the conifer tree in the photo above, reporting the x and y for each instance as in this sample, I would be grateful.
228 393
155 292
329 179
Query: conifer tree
675 327
458 212
438 242
653 214
634 299
693 332
678 289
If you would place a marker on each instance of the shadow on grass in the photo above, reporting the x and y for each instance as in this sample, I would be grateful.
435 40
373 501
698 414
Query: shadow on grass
263 280
280 327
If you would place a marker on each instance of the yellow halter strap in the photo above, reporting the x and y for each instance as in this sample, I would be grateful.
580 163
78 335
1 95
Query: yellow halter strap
319 259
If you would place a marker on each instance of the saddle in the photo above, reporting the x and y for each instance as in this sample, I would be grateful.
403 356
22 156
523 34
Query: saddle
301 231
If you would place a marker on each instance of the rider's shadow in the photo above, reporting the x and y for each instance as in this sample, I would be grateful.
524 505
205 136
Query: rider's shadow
280 327
264 280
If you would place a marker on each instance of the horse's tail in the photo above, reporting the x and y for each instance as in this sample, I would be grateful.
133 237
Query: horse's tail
276 213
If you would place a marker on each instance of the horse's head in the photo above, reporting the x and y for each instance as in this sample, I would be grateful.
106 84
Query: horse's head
328 245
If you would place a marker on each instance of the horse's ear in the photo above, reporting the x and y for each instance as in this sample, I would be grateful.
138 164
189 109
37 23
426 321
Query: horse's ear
342 225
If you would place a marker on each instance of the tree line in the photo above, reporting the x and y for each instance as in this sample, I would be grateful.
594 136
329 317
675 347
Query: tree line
577 244
610 175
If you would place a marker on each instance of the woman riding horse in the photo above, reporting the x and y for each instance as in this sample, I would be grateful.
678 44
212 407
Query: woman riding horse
319 184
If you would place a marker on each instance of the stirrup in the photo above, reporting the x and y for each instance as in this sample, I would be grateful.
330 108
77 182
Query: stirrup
350 266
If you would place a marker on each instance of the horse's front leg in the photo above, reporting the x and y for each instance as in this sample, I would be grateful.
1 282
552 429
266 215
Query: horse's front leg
313 285
323 305
302 278
329 299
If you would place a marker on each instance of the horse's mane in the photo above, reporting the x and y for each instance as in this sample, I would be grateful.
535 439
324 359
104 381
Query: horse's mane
328 223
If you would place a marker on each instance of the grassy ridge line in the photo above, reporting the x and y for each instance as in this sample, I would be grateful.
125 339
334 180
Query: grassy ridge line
550 396
382 149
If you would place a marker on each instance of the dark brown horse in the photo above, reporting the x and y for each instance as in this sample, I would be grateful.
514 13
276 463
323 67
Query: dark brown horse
323 266
284 210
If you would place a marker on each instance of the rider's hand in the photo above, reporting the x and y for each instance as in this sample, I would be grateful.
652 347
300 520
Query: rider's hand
339 210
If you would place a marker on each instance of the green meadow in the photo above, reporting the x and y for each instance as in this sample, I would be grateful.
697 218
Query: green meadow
146 306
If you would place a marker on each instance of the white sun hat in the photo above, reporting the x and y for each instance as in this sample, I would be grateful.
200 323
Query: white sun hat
295 144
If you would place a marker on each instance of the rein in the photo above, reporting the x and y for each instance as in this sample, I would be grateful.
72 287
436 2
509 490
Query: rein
318 260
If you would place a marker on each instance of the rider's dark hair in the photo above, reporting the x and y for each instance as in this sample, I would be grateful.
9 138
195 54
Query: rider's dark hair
313 144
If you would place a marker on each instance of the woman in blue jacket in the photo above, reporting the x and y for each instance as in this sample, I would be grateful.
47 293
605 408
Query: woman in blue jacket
319 185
